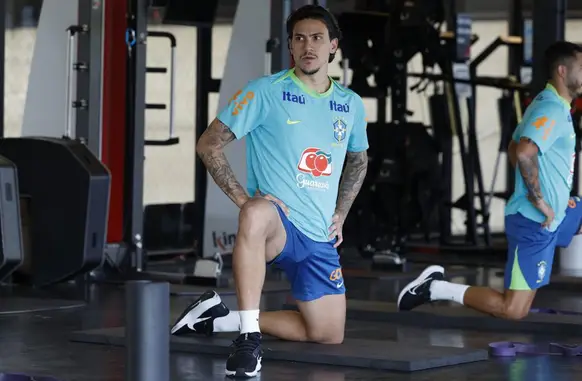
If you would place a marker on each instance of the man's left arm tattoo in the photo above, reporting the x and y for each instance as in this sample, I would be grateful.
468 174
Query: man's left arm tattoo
352 180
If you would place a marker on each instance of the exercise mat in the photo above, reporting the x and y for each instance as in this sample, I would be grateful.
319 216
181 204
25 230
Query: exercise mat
18 305
459 317
370 354
191 290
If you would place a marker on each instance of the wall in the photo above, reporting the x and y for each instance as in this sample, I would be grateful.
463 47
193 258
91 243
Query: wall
169 171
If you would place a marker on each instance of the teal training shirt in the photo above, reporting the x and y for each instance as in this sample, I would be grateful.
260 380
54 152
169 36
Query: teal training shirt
548 123
296 143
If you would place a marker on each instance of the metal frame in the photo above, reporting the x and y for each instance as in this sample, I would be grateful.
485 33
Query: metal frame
89 69
136 103
514 62
136 107
470 165
205 84
172 139
466 150
515 28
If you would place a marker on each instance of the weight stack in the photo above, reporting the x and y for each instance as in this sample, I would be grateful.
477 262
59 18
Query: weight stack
67 192
11 248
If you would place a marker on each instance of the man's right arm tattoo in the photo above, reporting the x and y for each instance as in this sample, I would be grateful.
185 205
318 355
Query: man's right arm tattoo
211 151
530 169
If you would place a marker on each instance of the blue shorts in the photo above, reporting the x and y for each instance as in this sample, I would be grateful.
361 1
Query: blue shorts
313 268
531 247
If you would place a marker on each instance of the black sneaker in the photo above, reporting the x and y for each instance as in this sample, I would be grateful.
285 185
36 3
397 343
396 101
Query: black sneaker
417 292
246 356
200 315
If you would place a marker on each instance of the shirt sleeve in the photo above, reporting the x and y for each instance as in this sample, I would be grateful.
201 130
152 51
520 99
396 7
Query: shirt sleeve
358 140
542 125
247 109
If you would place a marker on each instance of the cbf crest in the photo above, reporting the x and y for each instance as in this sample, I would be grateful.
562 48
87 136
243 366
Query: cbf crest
340 129
542 266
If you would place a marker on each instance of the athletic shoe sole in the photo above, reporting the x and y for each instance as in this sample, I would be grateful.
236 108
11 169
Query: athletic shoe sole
190 316
421 278
242 373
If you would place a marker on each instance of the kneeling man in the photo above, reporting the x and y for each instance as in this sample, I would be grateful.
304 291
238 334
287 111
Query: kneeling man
301 127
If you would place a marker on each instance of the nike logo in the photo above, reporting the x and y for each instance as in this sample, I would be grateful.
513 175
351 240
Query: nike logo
199 320
572 136
413 290
289 121
339 285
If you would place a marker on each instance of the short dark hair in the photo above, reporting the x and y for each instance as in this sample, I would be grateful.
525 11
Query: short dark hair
315 12
559 53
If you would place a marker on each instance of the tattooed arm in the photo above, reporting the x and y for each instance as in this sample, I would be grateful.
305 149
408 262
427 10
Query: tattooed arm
356 163
210 148
352 180
527 161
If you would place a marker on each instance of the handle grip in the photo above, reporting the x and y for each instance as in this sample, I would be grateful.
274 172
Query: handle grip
172 140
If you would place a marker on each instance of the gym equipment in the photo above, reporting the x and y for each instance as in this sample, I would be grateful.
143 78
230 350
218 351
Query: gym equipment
147 337
509 110
511 349
171 140
11 248
512 43
168 230
129 259
450 98
387 260
68 192
209 267
15 305
84 62
458 317
380 41
371 53
61 182
370 354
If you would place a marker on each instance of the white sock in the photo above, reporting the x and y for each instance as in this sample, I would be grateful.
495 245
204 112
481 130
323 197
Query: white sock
442 290
249 321
228 323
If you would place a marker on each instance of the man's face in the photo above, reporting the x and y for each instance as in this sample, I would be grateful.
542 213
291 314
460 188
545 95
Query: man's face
310 45
573 77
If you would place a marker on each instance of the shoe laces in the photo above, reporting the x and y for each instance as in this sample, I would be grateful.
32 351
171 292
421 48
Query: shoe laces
246 342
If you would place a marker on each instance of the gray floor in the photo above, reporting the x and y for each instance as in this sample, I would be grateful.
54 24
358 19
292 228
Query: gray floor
36 343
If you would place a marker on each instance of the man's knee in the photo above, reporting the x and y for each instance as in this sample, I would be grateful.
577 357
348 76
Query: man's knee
255 218
517 304
514 312
326 336
325 319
